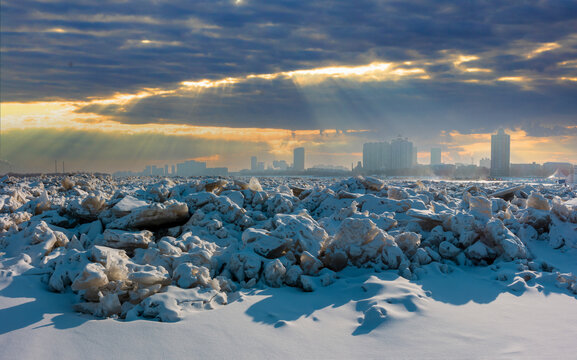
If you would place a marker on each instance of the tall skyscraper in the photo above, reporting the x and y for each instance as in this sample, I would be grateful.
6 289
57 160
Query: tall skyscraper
376 156
401 154
436 156
500 154
253 163
299 159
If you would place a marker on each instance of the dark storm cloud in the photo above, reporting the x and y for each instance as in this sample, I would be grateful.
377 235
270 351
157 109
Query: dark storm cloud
99 50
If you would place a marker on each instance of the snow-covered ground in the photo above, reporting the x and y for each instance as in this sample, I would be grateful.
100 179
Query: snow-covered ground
286 268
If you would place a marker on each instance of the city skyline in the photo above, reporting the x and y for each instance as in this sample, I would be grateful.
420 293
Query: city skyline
106 87
385 158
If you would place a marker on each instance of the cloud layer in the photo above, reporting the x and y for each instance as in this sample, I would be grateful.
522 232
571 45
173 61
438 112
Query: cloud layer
416 68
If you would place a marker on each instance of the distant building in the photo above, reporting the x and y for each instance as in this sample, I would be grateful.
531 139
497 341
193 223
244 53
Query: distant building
436 156
500 154
279 165
191 168
253 163
173 172
156 171
299 159
376 156
549 168
401 154
165 170
218 171
526 170
485 162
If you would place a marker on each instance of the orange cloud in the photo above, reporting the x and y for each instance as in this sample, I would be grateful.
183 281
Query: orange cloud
524 148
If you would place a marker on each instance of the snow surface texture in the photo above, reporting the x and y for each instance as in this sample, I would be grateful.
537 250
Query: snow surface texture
160 249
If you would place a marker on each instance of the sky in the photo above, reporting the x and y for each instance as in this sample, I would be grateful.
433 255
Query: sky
116 85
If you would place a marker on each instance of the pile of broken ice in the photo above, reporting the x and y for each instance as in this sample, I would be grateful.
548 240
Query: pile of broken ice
155 248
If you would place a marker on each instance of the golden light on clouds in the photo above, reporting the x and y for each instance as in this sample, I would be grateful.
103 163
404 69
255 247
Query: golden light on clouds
513 78
62 115
376 71
524 148
478 70
568 63
211 83
543 48
281 142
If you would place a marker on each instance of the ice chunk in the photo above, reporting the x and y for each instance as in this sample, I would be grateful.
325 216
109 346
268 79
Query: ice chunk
150 275
422 256
67 183
265 244
293 275
507 193
310 264
427 216
245 266
537 201
306 233
126 205
397 193
563 234
121 239
92 277
504 241
372 183
187 275
448 250
254 185
357 240
280 204
408 242
163 307
480 207
309 283
479 251
274 273
154 215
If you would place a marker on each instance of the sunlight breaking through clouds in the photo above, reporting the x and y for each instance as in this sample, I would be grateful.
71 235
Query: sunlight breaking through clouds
543 48
376 71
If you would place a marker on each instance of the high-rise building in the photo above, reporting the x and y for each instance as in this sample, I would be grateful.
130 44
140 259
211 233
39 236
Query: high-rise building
253 163
401 154
376 156
485 162
299 159
191 168
436 156
500 154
